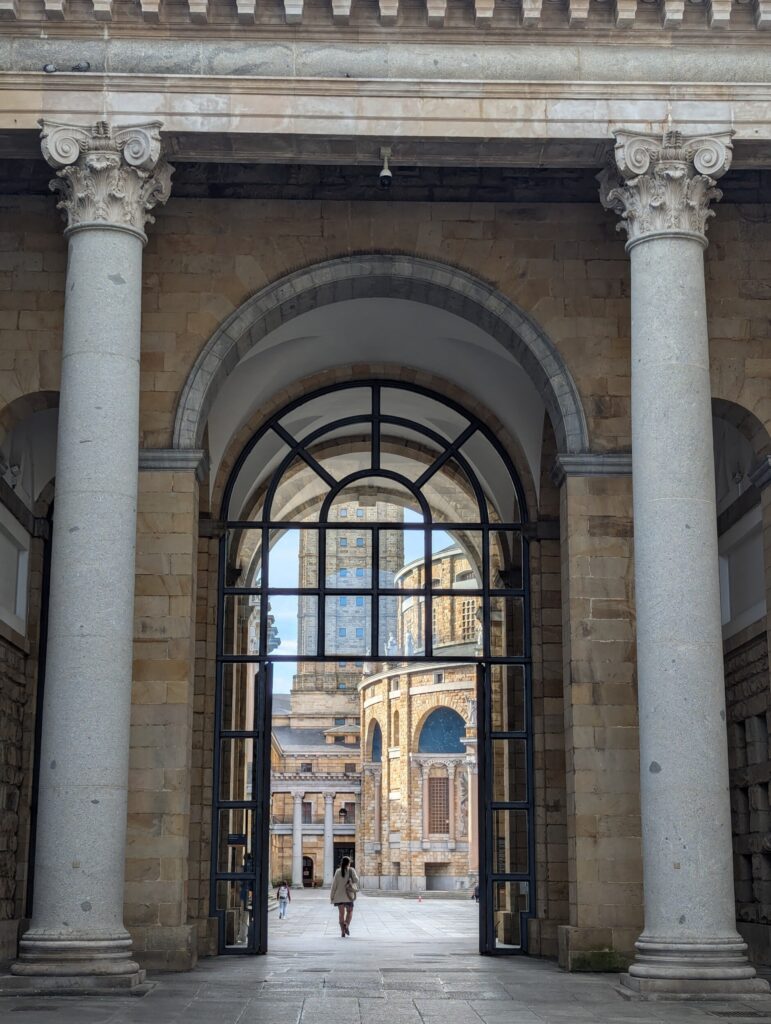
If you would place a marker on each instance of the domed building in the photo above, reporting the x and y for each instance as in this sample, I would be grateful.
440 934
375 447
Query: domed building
419 823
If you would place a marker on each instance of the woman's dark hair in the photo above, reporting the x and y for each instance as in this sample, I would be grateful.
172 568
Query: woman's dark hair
344 865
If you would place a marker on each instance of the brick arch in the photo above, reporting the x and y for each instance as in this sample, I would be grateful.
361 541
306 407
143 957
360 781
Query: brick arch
382 276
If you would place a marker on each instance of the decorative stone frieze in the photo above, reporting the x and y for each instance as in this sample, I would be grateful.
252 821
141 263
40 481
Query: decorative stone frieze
668 183
106 175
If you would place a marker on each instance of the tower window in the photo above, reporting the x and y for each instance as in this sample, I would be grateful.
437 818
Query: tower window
343 542
359 542
342 631
359 602
343 513
359 513
343 602
359 632
359 572
342 572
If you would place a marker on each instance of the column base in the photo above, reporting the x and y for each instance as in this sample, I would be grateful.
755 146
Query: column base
60 964
82 985
693 970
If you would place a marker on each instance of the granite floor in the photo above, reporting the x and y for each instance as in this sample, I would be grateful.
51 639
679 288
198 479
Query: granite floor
404 963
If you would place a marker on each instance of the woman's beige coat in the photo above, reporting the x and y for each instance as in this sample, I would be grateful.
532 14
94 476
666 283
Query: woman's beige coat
337 893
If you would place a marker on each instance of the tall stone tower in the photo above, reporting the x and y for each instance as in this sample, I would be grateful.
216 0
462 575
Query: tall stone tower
322 691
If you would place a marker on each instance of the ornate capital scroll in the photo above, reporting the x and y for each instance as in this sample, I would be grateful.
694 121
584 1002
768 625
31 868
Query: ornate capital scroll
665 184
106 175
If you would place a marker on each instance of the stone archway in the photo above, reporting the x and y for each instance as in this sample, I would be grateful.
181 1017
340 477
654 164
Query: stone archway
376 275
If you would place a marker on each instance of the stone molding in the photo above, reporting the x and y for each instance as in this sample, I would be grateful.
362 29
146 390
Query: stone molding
668 183
760 474
107 176
174 460
426 762
591 464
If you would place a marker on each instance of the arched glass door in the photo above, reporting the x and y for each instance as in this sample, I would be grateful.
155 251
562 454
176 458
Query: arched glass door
380 487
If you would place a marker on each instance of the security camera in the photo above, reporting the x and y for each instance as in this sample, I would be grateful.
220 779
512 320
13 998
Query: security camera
386 177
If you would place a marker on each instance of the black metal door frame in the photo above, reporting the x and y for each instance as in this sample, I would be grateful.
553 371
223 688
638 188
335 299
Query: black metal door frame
260 733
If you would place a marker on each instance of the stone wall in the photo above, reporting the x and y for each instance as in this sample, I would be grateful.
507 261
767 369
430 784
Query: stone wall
601 737
748 707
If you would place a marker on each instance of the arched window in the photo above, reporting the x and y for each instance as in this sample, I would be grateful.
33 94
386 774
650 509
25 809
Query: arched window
376 753
442 732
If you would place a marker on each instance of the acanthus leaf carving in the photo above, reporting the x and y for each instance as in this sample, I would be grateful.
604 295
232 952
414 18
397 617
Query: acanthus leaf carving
106 175
665 184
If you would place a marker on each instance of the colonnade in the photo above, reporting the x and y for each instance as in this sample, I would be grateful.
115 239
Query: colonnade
298 796
109 180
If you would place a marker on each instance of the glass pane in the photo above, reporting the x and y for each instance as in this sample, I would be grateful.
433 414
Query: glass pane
343 674
299 494
507 627
347 626
456 560
505 560
450 495
402 626
294 559
408 452
510 900
292 624
325 409
382 500
345 455
494 476
241 624
236 757
244 555
410 405
248 497
509 782
235 840
348 558
239 694
402 559
510 849
507 684
236 901
457 625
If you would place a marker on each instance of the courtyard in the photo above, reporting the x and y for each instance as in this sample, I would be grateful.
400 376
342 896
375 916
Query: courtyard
406 962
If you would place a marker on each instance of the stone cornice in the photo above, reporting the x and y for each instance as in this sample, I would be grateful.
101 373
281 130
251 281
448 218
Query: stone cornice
668 183
173 460
591 464
106 176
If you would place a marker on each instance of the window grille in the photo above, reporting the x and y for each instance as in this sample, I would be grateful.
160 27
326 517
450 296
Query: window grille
439 806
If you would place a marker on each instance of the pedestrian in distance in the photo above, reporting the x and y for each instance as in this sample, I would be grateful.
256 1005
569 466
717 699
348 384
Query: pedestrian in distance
284 897
475 893
345 886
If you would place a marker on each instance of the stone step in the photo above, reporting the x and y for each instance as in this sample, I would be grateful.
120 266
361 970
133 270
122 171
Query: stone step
428 894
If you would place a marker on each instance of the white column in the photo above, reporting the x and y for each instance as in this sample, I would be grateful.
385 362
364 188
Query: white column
109 179
329 841
297 841
690 943
473 817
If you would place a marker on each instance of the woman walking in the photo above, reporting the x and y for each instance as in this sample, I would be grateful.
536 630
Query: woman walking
345 885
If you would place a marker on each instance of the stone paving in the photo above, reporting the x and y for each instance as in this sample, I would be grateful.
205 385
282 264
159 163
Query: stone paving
404 963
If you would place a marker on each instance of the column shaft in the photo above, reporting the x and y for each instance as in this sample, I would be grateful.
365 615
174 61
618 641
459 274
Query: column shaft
297 842
473 820
329 841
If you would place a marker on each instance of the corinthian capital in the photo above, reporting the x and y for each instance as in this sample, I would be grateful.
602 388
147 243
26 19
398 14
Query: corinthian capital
665 184
106 175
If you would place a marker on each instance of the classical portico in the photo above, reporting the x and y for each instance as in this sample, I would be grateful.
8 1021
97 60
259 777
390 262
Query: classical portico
611 791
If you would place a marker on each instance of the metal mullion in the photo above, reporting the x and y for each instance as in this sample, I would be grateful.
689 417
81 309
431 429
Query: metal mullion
283 524
486 617
374 644
238 734
215 804
428 600
254 659
321 611
298 448
448 453
484 816
262 647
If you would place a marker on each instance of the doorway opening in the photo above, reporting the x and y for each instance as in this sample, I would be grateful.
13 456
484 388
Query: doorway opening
373 662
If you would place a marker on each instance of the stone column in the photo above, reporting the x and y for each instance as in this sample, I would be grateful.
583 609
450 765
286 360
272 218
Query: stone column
473 817
329 842
297 841
424 773
451 805
108 179
689 944
377 794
